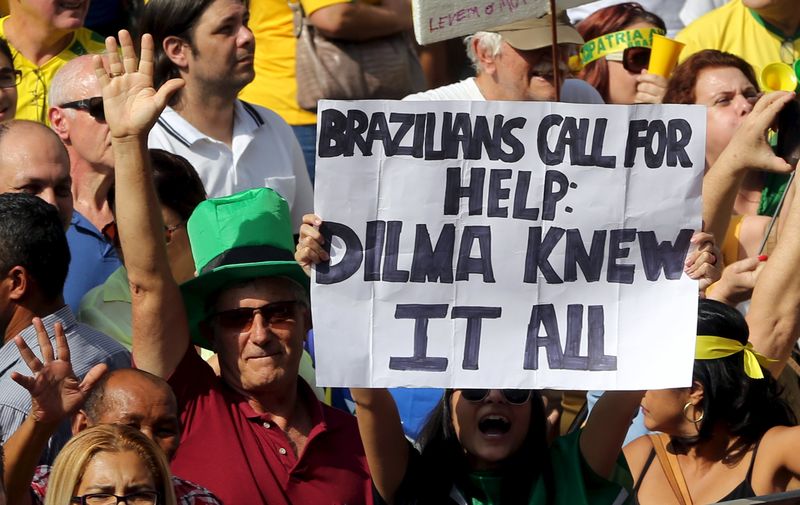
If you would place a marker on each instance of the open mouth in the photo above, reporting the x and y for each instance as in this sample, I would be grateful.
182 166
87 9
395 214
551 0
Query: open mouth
71 5
494 425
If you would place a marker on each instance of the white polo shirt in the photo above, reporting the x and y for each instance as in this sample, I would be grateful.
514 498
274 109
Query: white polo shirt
264 153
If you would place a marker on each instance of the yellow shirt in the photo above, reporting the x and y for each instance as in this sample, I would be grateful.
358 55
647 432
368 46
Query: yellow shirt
275 86
32 91
733 28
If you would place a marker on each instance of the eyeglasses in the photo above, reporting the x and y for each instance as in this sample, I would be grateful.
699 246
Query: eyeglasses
512 396
140 498
111 233
94 106
279 315
9 78
634 59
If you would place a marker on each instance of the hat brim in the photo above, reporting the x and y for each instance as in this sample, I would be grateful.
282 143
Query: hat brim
197 291
539 37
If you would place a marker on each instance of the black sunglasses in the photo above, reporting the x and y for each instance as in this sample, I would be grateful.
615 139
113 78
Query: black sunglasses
636 59
277 314
94 106
512 396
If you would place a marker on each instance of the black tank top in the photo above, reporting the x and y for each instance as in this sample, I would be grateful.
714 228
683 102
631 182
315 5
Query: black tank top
743 490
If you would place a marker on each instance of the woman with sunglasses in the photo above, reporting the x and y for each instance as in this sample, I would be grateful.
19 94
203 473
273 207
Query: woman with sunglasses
617 52
109 464
486 446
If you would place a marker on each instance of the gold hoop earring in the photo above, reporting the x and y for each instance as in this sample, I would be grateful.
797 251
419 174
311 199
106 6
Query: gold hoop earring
694 420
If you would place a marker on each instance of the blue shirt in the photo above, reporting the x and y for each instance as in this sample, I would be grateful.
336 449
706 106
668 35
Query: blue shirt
93 260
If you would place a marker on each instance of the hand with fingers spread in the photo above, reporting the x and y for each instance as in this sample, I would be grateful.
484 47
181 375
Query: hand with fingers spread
310 248
131 103
56 393
703 263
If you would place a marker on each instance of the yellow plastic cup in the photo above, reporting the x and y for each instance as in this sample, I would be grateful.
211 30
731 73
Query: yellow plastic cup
664 55
778 77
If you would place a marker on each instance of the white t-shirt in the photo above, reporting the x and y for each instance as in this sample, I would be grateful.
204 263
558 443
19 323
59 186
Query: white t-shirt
264 153
572 91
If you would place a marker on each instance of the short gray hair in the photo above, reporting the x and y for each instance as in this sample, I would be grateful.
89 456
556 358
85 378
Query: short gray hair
490 42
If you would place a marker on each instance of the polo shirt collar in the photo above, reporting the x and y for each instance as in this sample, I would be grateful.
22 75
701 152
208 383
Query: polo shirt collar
246 120
304 394
79 221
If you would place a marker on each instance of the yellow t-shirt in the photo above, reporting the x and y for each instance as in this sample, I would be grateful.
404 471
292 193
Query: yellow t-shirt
275 86
733 28
32 91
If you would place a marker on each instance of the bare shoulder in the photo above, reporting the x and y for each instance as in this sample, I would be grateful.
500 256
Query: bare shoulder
636 454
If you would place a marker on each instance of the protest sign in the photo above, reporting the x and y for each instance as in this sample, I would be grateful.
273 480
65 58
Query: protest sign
436 20
507 244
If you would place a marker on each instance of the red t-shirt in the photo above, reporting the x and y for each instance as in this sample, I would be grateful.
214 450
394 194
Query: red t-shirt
244 458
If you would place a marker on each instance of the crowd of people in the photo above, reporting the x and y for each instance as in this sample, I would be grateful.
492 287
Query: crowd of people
157 236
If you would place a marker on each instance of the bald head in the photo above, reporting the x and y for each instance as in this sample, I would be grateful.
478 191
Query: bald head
73 81
138 399
33 160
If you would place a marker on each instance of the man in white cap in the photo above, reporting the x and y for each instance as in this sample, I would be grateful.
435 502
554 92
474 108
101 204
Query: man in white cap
514 62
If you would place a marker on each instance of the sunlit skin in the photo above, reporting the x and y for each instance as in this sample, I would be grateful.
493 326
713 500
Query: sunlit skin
58 15
135 401
486 451
221 56
118 473
622 83
728 96
264 359
519 75
33 160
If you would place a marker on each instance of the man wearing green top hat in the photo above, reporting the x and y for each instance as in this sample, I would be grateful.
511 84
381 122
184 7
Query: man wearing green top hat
257 433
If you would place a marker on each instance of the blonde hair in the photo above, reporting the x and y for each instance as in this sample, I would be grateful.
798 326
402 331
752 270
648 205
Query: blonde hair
71 462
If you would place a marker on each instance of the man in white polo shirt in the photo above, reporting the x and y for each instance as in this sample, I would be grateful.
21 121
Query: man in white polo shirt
232 144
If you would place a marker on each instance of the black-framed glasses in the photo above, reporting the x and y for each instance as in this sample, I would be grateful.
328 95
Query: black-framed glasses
512 396
280 315
633 59
10 78
94 106
138 498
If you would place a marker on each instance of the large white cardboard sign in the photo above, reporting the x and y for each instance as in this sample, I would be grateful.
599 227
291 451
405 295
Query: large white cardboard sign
507 244
436 20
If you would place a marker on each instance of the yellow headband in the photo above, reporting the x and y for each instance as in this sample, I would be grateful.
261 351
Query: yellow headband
617 41
711 347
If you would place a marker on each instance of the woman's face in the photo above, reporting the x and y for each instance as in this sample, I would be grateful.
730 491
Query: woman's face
8 96
490 430
118 473
621 83
729 96
663 411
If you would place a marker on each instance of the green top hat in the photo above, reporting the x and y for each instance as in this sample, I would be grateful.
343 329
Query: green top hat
235 238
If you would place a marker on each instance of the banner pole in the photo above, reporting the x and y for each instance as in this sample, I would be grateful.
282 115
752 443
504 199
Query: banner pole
556 66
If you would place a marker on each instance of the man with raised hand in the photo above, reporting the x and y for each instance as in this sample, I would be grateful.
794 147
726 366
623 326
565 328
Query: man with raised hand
258 420
126 396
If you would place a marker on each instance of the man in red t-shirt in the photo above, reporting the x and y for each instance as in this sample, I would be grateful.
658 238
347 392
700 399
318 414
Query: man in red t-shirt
255 434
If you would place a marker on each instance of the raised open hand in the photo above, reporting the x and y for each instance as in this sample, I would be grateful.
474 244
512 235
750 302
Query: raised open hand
131 103
55 391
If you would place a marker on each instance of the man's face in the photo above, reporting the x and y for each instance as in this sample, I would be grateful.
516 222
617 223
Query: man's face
56 14
266 355
87 137
221 55
32 160
526 75
135 401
